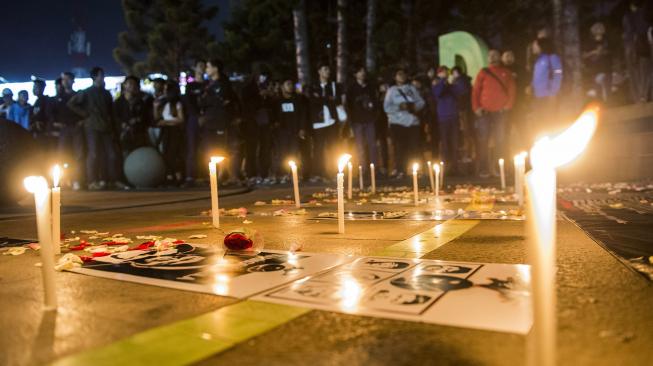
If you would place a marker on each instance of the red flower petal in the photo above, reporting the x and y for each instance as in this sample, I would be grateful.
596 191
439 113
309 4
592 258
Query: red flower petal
178 242
101 254
143 246
80 246
86 258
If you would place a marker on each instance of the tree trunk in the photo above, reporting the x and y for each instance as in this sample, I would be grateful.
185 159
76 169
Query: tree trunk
301 43
408 7
370 59
341 54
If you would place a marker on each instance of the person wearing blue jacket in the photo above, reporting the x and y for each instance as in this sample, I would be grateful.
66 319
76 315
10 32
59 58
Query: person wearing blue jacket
445 95
545 85
20 111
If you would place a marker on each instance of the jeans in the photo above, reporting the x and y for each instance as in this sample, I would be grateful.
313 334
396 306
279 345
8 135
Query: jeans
448 131
192 140
324 141
71 145
172 144
490 126
365 138
406 141
222 142
102 158
257 149
286 145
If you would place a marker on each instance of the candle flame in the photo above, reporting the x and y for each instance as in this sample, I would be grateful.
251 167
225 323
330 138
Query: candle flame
566 146
292 164
217 159
436 167
501 161
372 165
34 184
349 165
415 167
56 175
342 161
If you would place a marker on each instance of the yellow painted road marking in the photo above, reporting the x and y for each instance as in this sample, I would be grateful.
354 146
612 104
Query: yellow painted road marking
191 340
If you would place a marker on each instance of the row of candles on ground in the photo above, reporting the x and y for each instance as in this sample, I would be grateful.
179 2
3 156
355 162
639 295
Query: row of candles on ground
546 155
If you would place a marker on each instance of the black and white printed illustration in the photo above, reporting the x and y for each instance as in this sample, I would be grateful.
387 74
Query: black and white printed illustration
204 268
483 296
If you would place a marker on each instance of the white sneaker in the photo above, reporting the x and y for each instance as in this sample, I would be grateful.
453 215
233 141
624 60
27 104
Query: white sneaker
76 186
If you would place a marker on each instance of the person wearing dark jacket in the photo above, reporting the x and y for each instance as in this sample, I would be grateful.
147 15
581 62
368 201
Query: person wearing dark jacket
133 111
447 110
362 111
71 132
258 97
95 105
290 116
192 96
220 119
41 118
462 84
324 98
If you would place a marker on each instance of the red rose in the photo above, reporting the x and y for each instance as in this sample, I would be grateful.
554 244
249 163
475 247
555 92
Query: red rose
238 241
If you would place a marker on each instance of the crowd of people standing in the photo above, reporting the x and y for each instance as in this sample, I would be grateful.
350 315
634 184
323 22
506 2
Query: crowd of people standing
439 115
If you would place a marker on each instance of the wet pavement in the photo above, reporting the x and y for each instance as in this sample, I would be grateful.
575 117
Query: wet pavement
605 312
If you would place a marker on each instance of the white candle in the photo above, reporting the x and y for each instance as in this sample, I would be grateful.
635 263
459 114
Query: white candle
39 187
415 186
442 174
436 167
295 182
431 176
344 159
520 164
373 178
502 172
349 180
56 210
360 178
213 177
546 155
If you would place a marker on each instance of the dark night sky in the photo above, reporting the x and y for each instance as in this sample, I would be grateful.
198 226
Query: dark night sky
36 33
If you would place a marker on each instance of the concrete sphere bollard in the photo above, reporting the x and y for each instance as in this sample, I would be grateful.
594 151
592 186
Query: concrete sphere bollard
20 156
145 168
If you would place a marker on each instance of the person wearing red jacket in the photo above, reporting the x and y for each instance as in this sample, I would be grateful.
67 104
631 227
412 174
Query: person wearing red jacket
492 96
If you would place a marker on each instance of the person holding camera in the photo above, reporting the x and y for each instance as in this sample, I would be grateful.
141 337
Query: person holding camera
401 104
362 109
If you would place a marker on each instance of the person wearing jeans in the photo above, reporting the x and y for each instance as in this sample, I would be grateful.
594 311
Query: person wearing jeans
402 102
95 104
362 106
493 94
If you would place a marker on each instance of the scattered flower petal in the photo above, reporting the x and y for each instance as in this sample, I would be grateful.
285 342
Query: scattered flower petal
68 261
15 251
197 236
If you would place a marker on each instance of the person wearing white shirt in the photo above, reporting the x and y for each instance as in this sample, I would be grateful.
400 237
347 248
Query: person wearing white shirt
401 104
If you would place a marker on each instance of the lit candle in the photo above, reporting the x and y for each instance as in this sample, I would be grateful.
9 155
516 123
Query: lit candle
520 164
437 169
213 176
295 182
39 187
360 178
344 159
546 155
56 209
415 187
442 174
502 171
373 178
431 176
349 180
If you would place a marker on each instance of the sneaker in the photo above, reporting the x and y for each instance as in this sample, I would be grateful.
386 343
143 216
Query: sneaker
121 186
103 184
95 186
76 186
188 183
314 179
285 179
